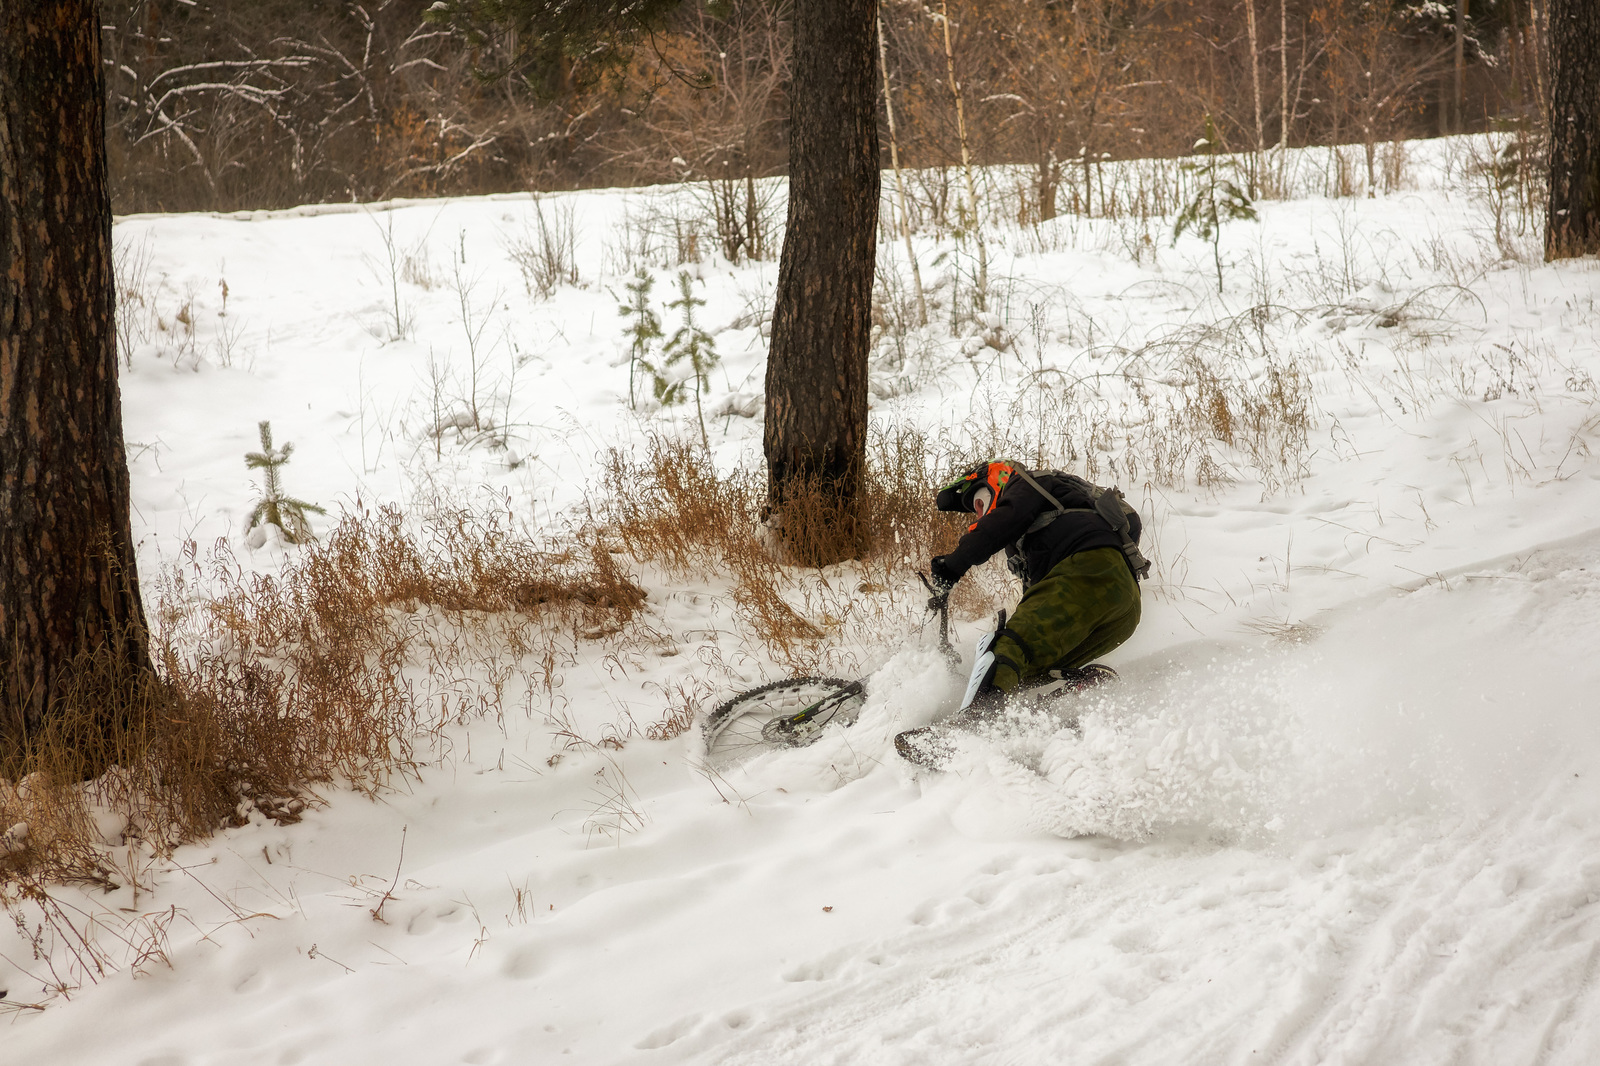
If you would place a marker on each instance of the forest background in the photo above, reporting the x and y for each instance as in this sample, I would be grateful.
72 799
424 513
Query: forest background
218 105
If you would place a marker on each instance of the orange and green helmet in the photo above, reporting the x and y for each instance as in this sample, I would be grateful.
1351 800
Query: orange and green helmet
957 494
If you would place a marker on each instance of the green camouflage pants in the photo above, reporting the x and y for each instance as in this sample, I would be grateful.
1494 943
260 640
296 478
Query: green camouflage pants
1084 607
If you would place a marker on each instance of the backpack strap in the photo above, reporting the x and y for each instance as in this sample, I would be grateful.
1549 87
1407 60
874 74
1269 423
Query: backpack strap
1108 504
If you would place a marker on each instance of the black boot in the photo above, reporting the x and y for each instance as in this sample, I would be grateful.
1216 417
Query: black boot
1086 677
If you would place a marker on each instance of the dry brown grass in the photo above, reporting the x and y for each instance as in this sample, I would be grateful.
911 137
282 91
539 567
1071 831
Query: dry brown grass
667 505
269 685
1196 405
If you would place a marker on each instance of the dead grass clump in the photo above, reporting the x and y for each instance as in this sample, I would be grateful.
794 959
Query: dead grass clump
467 561
1266 417
268 685
1206 401
1276 420
671 507
904 471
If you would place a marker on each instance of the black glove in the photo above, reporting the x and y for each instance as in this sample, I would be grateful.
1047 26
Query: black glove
942 572
943 580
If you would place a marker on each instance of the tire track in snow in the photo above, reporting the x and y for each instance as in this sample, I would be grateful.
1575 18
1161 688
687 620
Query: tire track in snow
1452 921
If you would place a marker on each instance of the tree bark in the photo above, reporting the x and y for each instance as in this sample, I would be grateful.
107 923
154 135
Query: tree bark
816 418
1572 227
68 584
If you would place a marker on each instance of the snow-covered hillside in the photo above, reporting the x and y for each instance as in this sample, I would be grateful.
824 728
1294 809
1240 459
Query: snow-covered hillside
1343 808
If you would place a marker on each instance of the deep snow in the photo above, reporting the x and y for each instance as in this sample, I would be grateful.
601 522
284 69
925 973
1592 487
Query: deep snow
1342 809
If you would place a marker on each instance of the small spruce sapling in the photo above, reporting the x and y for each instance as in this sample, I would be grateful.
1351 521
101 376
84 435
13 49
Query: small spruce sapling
692 345
274 508
1216 200
643 328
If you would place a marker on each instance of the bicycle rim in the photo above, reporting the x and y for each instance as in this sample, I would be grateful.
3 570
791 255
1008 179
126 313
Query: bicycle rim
733 732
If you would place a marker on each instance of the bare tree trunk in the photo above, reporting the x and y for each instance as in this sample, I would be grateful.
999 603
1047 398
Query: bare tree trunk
1461 52
1538 52
1048 182
1369 144
899 182
981 290
68 585
816 421
1573 225
1255 84
1283 72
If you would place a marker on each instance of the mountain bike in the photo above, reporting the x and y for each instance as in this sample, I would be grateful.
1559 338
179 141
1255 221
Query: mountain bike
795 711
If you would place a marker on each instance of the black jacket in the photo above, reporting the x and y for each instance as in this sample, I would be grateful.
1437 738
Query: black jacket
1015 510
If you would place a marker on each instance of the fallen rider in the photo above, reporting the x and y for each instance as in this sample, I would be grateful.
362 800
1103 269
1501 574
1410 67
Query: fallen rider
1076 548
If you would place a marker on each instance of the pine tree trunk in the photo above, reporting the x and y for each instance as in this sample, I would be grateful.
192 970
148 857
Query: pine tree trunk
816 418
1573 225
68 586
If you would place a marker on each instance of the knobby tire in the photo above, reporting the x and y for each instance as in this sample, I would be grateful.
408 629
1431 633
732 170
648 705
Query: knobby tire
735 732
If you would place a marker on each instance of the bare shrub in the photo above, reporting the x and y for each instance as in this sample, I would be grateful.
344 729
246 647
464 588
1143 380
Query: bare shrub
904 351
136 317
389 270
742 214
632 245
1507 175
546 251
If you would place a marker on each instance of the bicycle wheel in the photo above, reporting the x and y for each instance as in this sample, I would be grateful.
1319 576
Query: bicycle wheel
783 714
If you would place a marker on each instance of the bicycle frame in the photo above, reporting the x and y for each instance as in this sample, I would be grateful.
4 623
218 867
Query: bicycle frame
795 729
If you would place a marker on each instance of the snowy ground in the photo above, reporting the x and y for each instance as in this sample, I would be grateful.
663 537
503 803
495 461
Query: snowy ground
1343 808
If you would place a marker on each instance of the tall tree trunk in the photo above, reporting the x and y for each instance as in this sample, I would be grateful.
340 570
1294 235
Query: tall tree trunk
1459 99
1047 179
1573 225
68 586
899 181
816 419
974 222
1283 75
1255 85
1537 37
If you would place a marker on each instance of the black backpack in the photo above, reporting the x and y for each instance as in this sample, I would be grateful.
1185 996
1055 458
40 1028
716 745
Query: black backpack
1108 503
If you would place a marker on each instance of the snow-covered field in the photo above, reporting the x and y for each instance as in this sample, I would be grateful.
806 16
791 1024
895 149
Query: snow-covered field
1344 807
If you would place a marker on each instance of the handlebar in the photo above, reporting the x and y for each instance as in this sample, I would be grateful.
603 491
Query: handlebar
942 598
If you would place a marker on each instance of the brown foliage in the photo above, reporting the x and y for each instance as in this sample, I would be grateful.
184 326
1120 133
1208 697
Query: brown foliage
269 685
671 507
216 106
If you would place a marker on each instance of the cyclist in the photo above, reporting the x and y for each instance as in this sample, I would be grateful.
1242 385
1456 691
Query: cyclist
1075 547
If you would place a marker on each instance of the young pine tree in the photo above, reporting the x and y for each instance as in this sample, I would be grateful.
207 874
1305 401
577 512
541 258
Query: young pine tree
274 508
1217 199
694 346
643 328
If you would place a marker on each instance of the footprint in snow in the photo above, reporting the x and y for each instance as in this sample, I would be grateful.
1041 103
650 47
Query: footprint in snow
807 971
523 965
669 1034
984 894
